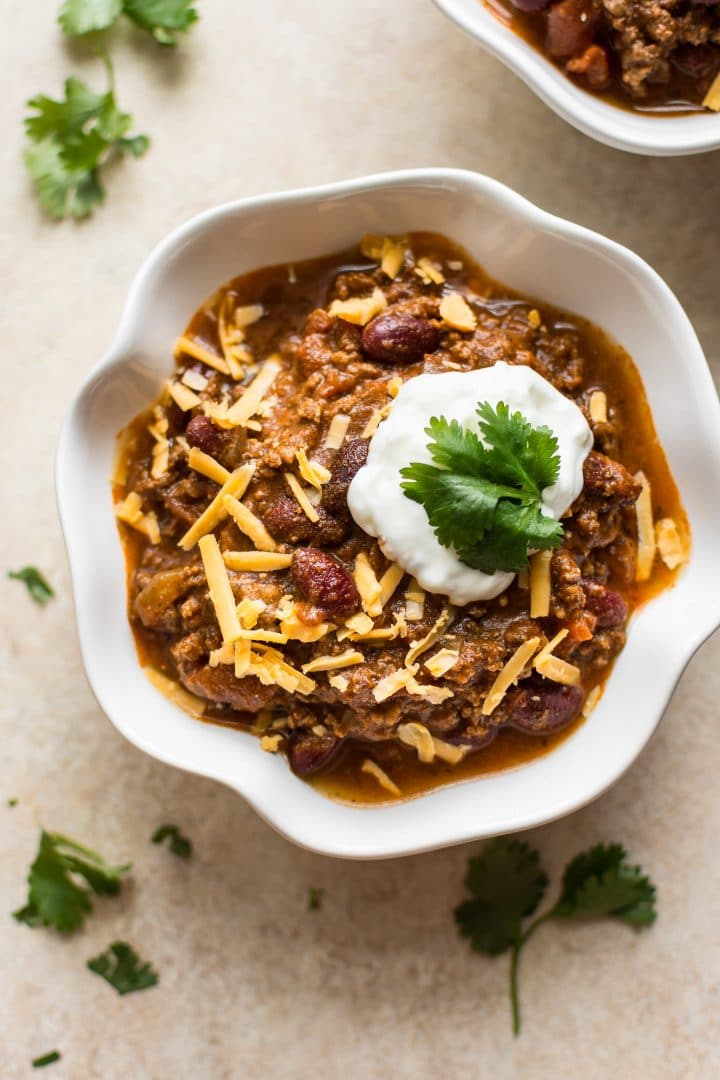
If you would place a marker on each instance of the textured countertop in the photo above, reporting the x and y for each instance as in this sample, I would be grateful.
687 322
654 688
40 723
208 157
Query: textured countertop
260 97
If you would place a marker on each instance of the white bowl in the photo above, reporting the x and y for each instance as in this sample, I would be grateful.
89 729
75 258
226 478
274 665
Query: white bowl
640 133
522 246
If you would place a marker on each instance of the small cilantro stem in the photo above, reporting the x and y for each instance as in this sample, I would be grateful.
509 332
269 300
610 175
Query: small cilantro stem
514 961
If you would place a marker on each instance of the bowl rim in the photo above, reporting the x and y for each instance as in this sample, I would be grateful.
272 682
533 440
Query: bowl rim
377 841
621 129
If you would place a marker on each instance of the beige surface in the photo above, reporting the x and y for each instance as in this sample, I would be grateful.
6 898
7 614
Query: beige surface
266 95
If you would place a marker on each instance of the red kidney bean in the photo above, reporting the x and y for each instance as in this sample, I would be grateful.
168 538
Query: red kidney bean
607 606
399 338
202 433
530 5
542 709
351 457
324 581
286 521
697 61
307 753
177 418
571 26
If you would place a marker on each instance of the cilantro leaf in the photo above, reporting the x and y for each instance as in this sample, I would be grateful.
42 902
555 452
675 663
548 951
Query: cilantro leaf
179 845
84 16
36 584
601 882
315 898
507 883
515 530
72 139
483 494
121 966
162 18
55 898
46 1059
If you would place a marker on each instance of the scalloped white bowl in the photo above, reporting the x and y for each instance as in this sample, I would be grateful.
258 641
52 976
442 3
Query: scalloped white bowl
639 133
521 245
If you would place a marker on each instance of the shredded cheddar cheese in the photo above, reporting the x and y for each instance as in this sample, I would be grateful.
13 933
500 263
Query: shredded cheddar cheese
448 752
248 523
337 431
669 543
552 667
332 663
428 272
312 472
598 407
271 743
301 497
176 693
511 672
419 738
339 682
183 396
443 660
235 485
367 585
194 379
359 310
456 312
130 511
434 634
246 406
208 466
249 611
540 585
373 769
591 700
712 98
221 594
389 582
259 561
645 529
185 346
242 655
392 683
435 695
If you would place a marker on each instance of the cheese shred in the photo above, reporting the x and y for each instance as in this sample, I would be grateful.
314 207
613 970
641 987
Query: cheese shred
373 769
510 673
645 530
221 593
235 485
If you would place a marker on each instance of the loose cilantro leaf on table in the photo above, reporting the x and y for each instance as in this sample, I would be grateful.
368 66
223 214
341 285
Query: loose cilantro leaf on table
73 138
36 584
85 16
315 898
121 966
46 1059
507 883
55 897
483 494
161 18
179 845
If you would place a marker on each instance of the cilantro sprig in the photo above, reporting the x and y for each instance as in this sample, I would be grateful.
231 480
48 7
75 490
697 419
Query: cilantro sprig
164 19
121 966
55 896
72 139
36 584
507 883
483 494
179 845
46 1059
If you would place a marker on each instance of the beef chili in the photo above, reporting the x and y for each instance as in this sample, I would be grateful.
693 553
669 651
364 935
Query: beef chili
649 55
256 600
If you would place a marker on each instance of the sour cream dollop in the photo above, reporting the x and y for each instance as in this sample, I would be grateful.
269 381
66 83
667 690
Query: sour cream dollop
380 507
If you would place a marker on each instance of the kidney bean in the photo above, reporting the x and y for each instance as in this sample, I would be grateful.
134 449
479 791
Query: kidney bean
530 5
352 455
541 710
399 338
202 433
697 61
571 26
324 581
607 606
285 521
177 418
307 753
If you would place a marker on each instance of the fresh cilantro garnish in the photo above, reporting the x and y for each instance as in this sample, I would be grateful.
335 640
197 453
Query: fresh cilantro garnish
315 898
36 584
55 897
46 1059
507 884
483 495
72 140
179 845
121 966
12 802
161 18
